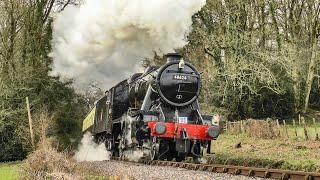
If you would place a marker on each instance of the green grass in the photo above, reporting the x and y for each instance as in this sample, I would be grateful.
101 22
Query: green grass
10 171
288 153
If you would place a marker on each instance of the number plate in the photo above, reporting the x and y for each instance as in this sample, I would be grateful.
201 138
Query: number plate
183 120
180 77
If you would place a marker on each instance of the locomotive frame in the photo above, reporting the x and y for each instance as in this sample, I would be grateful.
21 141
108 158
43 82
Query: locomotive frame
156 112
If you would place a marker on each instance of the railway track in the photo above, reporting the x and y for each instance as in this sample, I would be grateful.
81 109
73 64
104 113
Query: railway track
240 170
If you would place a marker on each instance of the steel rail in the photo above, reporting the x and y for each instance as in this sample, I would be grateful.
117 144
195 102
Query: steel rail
240 170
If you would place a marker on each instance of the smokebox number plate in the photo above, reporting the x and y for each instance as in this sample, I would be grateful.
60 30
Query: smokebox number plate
183 120
180 77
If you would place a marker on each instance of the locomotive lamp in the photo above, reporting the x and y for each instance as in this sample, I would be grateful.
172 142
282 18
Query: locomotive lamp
160 128
213 131
181 64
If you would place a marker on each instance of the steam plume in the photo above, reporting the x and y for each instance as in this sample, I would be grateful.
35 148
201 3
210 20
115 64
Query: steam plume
103 40
90 151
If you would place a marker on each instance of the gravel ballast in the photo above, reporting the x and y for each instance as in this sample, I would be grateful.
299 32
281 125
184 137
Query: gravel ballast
141 172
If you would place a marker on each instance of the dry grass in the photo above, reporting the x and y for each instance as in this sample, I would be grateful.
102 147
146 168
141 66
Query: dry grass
270 144
255 128
280 153
46 162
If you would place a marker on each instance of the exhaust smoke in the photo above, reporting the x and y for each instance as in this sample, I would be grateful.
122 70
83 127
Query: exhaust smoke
104 40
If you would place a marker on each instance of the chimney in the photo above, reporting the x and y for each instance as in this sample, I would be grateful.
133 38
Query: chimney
171 57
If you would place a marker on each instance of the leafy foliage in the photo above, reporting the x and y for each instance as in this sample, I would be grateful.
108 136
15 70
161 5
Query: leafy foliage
24 72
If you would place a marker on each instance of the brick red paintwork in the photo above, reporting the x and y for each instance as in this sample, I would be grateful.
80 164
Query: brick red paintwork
195 131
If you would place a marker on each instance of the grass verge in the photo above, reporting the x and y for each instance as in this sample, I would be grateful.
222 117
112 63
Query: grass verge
10 170
290 154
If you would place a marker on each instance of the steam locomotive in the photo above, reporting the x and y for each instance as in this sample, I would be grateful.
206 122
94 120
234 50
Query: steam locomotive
156 111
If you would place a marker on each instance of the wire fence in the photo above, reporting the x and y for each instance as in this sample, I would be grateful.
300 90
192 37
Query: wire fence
297 129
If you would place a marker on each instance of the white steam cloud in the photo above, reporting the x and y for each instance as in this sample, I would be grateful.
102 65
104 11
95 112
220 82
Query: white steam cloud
104 40
90 151
134 155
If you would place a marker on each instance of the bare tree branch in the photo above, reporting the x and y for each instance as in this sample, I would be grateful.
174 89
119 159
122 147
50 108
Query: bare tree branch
48 11
65 5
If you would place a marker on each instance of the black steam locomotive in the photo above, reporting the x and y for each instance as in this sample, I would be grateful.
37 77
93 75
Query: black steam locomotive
156 111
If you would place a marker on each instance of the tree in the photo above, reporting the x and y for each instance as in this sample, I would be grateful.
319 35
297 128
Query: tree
25 42
258 57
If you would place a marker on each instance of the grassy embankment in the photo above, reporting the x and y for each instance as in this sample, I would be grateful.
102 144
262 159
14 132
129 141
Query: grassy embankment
10 171
269 145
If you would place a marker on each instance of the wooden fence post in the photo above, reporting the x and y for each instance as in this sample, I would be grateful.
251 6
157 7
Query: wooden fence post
278 125
285 128
241 126
226 126
315 129
305 132
295 128
305 128
30 122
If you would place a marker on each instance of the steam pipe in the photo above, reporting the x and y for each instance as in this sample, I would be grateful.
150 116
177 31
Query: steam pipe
147 101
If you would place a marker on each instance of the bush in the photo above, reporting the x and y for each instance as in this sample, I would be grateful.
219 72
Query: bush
47 162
